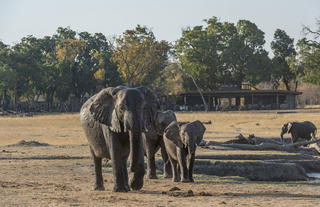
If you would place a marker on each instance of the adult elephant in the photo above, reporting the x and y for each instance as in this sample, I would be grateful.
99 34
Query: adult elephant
113 121
153 141
305 130
181 140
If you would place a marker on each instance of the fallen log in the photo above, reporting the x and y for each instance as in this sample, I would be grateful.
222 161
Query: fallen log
252 139
262 157
268 146
315 146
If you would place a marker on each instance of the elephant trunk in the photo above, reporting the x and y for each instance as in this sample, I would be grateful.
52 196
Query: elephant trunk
136 150
191 150
134 126
281 135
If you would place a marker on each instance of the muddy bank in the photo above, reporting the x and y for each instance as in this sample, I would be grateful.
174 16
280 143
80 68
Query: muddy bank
255 171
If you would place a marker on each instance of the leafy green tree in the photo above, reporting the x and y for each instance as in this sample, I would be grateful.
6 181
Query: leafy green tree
245 56
24 60
222 53
97 65
283 50
7 75
199 53
308 57
85 62
169 81
139 56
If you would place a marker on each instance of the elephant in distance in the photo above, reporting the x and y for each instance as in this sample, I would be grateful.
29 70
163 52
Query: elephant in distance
305 130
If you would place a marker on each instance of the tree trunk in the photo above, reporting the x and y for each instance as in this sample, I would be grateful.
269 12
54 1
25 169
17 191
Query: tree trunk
196 85
296 86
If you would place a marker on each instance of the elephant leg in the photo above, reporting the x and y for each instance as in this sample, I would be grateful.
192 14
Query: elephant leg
174 165
125 174
137 165
98 171
167 171
294 138
117 165
183 165
151 171
151 163
190 168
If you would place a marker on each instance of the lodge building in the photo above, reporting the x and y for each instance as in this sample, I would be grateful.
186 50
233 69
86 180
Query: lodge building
230 98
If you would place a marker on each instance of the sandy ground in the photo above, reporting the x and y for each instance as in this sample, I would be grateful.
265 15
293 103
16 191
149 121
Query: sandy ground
62 174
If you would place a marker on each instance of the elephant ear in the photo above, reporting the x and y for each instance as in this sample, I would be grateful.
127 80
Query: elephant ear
102 107
289 127
151 105
163 119
200 128
172 132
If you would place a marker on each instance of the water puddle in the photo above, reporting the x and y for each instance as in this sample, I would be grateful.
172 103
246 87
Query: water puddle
314 175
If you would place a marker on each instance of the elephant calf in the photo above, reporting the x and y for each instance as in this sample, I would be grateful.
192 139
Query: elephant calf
305 130
180 141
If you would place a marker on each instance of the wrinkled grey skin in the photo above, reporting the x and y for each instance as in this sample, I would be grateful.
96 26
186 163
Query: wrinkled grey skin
113 121
181 140
153 140
305 130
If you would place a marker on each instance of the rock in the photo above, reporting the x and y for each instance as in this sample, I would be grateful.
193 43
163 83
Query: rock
174 188
190 193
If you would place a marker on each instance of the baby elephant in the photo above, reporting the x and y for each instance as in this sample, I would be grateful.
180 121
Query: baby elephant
305 130
181 140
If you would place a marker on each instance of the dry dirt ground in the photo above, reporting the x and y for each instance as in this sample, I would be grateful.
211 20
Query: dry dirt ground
61 174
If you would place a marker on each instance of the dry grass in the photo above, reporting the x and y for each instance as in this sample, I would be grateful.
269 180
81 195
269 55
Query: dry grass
62 175
65 129
60 129
226 125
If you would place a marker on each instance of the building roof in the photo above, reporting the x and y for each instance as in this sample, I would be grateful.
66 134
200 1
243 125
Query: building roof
241 93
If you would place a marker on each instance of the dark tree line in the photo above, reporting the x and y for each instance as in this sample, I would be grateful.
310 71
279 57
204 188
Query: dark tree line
69 66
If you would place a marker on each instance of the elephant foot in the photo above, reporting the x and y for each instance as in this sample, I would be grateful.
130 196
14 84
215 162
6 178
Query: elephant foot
127 188
152 176
116 188
136 184
175 179
185 180
98 187
166 175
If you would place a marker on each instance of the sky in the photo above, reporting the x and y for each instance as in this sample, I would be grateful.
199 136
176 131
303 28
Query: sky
166 18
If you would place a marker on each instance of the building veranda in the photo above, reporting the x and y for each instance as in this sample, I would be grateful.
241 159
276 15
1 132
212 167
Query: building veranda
236 99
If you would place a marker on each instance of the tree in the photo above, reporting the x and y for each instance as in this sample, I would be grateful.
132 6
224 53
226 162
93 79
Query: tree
222 53
245 57
100 52
198 51
283 50
85 64
140 57
7 75
24 59
308 57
